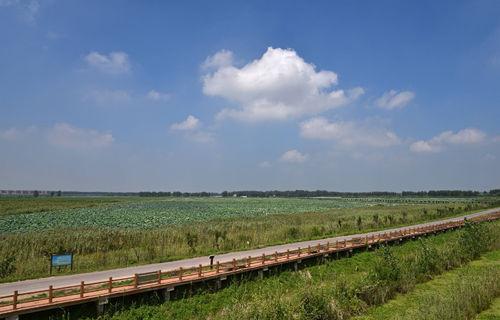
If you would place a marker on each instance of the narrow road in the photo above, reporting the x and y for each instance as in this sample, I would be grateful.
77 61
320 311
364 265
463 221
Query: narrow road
60 281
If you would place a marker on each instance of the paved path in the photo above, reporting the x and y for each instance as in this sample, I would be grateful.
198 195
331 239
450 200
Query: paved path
60 281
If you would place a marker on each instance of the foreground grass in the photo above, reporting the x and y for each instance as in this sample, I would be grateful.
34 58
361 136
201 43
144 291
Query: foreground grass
458 294
492 313
25 255
337 290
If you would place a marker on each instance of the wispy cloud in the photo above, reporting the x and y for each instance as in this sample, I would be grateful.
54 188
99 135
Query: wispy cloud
468 136
157 96
348 133
394 99
294 156
112 63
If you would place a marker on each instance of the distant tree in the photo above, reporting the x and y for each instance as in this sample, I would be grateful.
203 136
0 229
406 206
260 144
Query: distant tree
59 193
36 193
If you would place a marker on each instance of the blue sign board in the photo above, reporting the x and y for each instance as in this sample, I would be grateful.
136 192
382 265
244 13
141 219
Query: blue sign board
59 260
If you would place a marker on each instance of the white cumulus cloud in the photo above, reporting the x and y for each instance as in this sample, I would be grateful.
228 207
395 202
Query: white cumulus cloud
294 156
394 99
191 123
112 63
68 136
348 133
278 86
466 136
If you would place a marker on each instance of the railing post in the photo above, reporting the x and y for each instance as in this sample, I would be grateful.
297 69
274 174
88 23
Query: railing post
287 254
217 267
234 263
276 256
299 252
345 243
110 284
319 247
249 261
82 289
263 258
327 245
159 276
136 280
308 249
200 270
14 300
180 274
50 293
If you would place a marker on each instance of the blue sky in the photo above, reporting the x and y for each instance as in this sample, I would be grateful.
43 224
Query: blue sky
224 95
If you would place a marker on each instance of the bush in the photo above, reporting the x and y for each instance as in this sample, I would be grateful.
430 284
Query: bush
7 266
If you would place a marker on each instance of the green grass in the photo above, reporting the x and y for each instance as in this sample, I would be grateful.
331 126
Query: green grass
492 313
455 295
336 290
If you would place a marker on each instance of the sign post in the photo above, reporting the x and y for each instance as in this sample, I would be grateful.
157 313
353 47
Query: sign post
61 260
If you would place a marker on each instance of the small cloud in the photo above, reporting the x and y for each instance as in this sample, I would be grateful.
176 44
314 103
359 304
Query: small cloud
221 59
394 99
489 157
425 147
28 9
201 136
108 96
71 137
14 134
191 127
191 123
294 156
466 136
112 63
265 164
348 133
157 96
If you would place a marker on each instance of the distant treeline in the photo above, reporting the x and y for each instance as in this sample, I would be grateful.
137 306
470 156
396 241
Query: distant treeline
323 193
267 194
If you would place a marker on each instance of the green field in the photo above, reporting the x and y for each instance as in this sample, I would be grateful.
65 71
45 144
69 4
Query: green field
29 214
106 233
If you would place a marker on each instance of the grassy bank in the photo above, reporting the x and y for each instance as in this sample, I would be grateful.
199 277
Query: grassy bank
25 255
455 295
336 290
492 313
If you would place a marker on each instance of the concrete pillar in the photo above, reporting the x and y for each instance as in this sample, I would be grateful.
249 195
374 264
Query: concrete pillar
261 274
16 317
100 305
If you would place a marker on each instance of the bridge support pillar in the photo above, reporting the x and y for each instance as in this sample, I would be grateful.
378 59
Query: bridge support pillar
100 305
166 293
16 317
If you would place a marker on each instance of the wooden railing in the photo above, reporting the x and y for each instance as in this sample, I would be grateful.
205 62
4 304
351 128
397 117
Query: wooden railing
159 279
